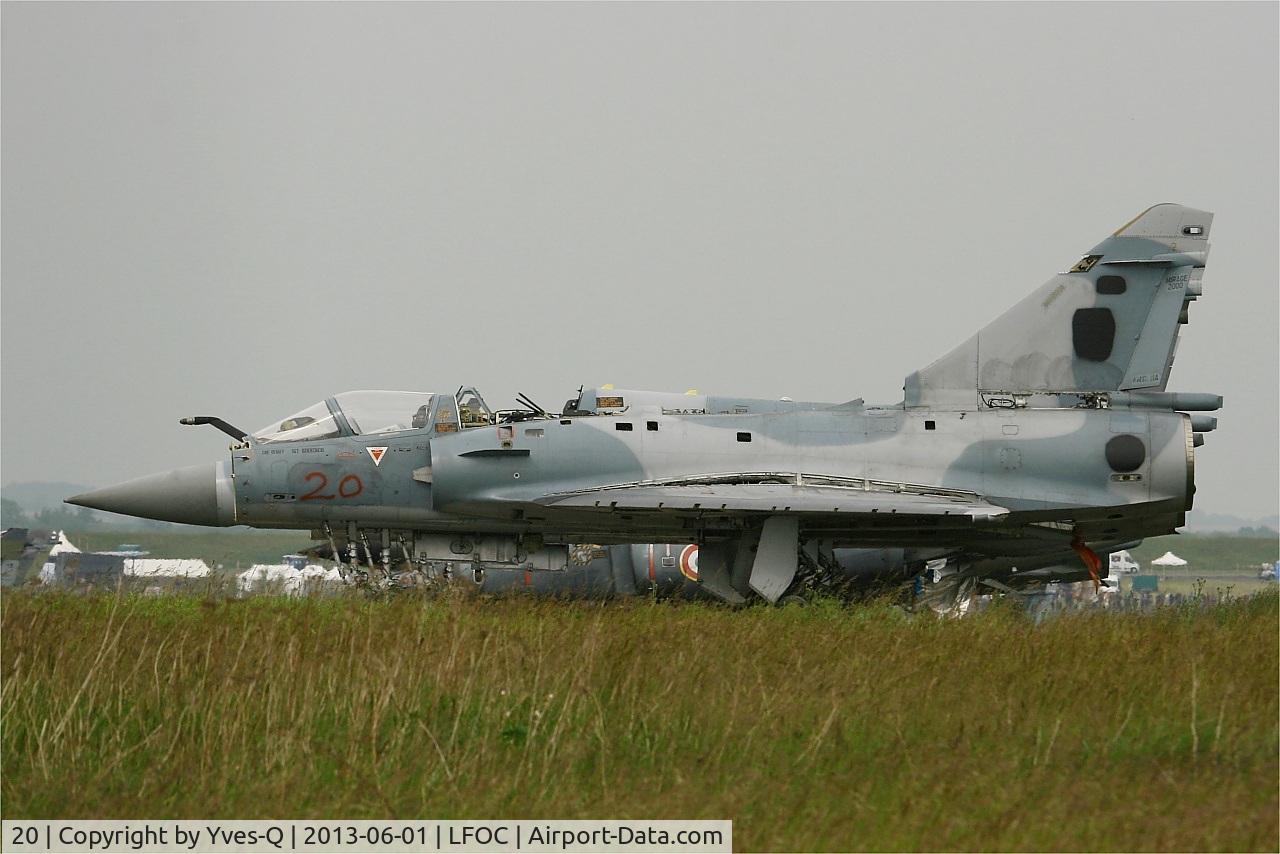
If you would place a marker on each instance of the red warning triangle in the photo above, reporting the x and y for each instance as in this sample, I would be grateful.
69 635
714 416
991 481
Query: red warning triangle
376 455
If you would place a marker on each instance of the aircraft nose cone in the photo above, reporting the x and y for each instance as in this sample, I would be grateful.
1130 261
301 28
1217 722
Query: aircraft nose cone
196 495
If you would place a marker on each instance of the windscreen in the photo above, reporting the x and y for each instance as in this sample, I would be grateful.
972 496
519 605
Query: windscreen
314 422
384 411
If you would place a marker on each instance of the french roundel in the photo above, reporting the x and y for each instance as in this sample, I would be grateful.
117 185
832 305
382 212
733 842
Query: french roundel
689 563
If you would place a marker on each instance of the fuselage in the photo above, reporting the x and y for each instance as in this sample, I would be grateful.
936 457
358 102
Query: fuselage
1050 464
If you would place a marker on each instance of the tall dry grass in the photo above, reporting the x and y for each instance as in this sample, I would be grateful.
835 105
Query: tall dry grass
819 727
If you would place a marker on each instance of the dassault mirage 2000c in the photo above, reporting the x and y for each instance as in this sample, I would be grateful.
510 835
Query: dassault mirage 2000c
1049 436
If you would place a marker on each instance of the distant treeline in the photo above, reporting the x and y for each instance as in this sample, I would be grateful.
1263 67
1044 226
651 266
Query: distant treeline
75 519
1261 531
68 518
1210 553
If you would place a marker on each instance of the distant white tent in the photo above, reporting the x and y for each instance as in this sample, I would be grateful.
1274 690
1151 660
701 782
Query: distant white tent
289 579
135 567
142 567
63 546
49 572
1168 559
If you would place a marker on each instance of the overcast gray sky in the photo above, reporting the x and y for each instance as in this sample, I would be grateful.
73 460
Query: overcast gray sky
237 209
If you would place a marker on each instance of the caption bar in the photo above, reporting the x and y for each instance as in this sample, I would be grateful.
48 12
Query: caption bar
321 837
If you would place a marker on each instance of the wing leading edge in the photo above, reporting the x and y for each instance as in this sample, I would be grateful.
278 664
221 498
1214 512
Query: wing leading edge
774 498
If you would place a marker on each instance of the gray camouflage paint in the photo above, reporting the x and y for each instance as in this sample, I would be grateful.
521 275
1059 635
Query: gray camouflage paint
998 450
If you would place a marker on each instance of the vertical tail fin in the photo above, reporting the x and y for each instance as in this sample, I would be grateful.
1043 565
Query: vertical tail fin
1109 323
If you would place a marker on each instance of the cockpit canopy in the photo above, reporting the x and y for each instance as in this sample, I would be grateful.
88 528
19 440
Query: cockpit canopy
362 413
365 413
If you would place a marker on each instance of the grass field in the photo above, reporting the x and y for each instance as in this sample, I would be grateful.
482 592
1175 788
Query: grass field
816 727
1216 553
1208 584
1216 563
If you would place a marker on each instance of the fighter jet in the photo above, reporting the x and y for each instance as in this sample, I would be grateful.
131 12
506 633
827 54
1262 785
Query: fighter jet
1044 439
